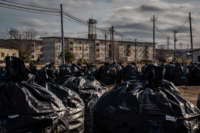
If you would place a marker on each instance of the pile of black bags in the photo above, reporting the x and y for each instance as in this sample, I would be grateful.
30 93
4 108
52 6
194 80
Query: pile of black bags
109 74
90 90
151 105
194 74
130 72
176 73
28 107
72 99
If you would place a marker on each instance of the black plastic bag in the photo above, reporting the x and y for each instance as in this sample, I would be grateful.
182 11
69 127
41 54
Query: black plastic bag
90 90
28 107
90 70
194 74
176 73
133 107
130 72
15 69
75 105
109 74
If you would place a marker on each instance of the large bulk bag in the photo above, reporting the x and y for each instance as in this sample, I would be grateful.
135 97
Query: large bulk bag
130 72
75 105
90 90
151 105
28 107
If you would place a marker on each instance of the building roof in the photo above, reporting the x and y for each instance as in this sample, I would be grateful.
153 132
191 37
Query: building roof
128 42
6 47
196 50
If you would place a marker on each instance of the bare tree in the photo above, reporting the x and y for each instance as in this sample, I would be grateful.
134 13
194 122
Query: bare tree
23 41
30 34
13 33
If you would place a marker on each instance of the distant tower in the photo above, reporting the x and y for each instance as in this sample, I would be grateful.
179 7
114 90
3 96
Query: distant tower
91 38
92 29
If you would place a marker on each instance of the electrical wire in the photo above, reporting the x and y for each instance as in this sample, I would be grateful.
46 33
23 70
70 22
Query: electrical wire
32 5
39 10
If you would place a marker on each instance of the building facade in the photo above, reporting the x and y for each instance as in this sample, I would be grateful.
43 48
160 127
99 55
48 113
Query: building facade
7 52
30 48
36 50
104 50
196 55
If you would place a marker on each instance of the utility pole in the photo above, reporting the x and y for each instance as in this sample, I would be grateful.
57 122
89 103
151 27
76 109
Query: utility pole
34 51
135 50
168 39
112 42
154 38
105 46
175 40
191 35
62 34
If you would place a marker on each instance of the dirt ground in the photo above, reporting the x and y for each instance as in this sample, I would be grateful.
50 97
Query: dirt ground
190 93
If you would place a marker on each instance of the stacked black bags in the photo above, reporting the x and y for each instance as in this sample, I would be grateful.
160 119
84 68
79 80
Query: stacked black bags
130 72
176 73
28 107
90 90
74 104
109 74
194 74
70 99
147 106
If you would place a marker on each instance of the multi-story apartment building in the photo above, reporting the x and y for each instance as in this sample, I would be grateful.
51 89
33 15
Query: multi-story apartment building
80 47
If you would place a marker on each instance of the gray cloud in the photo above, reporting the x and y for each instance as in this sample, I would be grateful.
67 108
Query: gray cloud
134 26
130 17
150 8
178 28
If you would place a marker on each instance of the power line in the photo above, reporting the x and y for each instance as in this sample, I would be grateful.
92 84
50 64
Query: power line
27 7
47 11
39 10
36 6
26 10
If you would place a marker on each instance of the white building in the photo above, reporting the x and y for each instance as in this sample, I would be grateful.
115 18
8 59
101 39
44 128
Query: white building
123 50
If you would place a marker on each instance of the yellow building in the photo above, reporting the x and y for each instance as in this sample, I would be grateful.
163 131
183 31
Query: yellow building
7 52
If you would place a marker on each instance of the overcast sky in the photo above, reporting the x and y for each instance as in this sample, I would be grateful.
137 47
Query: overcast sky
132 18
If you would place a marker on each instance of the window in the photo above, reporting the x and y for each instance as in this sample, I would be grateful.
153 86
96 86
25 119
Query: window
80 48
79 55
2 55
97 55
71 43
97 44
79 42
